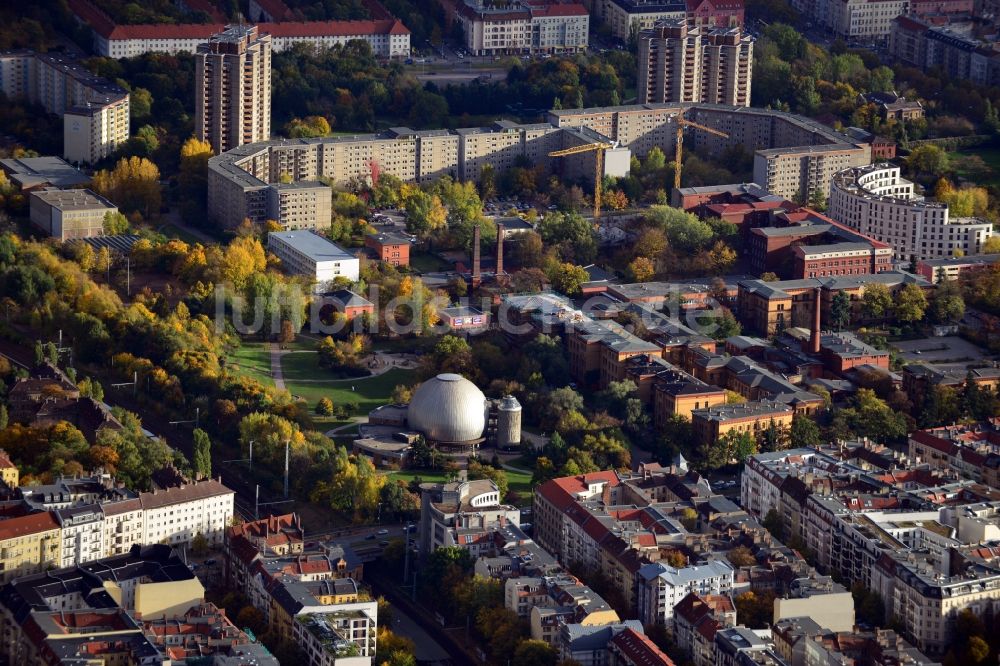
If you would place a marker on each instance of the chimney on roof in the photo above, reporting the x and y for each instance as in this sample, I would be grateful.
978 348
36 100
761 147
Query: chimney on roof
814 337
476 275
500 230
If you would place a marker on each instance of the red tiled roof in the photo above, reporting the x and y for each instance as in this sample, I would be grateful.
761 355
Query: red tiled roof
708 628
163 31
646 539
31 524
5 462
907 23
562 492
640 650
104 26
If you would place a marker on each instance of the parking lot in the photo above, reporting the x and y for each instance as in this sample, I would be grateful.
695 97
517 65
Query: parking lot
949 350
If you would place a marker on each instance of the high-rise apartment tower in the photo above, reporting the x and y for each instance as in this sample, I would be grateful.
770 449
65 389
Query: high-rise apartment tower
679 63
233 96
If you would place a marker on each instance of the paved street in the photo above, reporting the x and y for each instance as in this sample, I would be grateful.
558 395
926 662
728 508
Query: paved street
427 648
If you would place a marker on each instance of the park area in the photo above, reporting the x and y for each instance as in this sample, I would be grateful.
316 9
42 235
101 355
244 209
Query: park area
519 482
305 379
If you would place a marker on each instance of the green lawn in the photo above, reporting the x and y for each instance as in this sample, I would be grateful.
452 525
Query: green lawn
370 392
173 231
252 359
519 483
426 262
303 365
991 156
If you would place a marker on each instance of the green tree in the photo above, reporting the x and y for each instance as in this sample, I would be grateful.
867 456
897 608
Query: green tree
199 545
201 458
928 160
535 653
911 304
840 310
572 233
115 224
685 231
804 432
947 304
772 523
568 278
876 302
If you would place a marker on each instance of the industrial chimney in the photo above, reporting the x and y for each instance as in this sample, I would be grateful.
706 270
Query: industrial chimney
499 250
814 338
476 275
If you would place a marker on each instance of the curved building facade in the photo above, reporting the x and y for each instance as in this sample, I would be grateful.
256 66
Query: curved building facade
883 205
448 409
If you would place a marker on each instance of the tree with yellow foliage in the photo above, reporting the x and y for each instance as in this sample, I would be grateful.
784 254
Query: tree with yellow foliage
243 257
133 184
642 269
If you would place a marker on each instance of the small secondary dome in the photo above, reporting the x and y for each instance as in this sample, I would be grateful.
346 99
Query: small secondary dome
448 408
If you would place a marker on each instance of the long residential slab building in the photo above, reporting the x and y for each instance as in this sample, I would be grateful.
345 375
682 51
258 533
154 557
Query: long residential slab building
389 38
794 156
95 111
78 520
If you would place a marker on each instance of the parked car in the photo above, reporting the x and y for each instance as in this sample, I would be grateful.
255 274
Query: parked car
383 532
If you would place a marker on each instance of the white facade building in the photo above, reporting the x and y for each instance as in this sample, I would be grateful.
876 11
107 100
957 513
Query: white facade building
307 253
661 587
524 28
879 203
177 515
857 20
82 534
123 526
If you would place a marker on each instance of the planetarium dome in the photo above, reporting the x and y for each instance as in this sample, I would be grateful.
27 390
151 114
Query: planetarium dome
448 409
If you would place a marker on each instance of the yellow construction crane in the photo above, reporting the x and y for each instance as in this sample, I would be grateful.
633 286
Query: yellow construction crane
599 147
682 122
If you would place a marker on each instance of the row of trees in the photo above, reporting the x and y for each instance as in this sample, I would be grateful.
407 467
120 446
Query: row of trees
478 602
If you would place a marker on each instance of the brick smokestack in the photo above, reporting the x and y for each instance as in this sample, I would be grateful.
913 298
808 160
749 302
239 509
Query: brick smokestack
500 249
476 275
815 335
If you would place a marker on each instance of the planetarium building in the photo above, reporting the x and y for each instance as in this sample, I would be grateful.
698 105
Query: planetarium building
448 409
450 413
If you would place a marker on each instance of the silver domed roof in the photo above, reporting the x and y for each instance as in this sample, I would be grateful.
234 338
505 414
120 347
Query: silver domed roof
448 408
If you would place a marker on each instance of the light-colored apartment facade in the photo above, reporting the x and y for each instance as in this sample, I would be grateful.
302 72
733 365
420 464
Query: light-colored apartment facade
661 587
879 203
307 253
798 152
233 88
679 63
178 515
859 20
798 173
69 214
389 38
241 181
524 28
626 17
94 131
95 112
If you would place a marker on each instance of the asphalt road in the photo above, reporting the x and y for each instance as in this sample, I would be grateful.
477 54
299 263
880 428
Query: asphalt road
427 648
